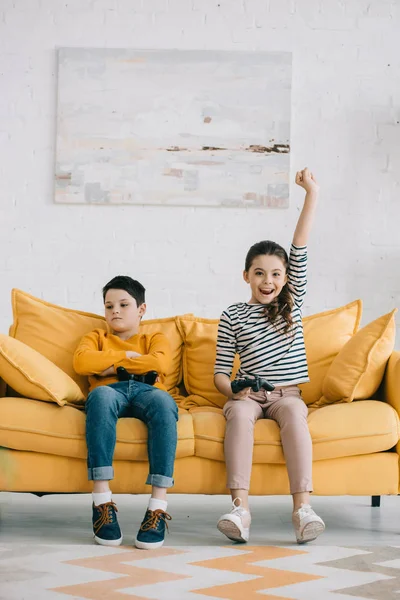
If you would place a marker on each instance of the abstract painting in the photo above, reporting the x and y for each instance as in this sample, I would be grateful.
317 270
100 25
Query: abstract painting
170 127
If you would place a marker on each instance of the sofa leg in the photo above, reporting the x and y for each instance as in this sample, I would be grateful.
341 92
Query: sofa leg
375 501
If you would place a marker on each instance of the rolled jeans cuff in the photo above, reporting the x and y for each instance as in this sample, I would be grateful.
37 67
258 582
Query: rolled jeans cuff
100 473
160 481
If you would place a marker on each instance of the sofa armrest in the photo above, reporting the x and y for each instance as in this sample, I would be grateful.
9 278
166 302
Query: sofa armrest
391 381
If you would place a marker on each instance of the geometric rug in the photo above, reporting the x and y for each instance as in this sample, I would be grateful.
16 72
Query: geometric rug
233 572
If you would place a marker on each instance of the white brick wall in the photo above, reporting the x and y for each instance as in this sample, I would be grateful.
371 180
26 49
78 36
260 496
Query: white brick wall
345 125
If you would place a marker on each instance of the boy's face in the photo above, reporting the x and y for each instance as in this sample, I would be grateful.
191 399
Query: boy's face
122 313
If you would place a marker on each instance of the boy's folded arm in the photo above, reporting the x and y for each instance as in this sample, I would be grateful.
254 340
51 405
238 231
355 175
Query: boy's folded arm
143 364
158 358
89 360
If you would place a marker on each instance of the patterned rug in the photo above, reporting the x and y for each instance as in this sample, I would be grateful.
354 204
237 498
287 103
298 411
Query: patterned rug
199 573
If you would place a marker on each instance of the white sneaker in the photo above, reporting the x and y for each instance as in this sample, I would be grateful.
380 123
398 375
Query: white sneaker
307 525
236 524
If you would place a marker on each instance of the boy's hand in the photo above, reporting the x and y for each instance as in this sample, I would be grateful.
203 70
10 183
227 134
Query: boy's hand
242 395
132 354
306 180
108 372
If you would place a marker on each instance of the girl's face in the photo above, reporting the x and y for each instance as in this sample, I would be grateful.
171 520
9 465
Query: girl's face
266 276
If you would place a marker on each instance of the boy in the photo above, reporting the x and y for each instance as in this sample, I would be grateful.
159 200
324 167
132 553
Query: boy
98 356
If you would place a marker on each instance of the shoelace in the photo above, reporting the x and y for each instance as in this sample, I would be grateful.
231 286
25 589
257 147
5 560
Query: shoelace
238 508
106 515
154 518
304 510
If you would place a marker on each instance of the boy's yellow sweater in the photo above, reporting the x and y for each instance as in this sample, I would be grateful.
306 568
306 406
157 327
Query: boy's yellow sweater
99 350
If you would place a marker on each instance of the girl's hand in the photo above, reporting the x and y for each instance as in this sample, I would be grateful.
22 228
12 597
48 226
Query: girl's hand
242 395
307 181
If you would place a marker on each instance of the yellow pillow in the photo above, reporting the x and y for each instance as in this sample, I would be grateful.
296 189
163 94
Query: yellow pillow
200 340
325 334
52 330
357 370
169 328
34 376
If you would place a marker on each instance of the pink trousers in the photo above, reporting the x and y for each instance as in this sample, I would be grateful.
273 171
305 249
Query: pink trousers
285 406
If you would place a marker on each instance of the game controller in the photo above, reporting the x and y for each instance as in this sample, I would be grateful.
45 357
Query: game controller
150 377
255 383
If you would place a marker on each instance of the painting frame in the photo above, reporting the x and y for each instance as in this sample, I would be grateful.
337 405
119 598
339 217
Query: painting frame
173 127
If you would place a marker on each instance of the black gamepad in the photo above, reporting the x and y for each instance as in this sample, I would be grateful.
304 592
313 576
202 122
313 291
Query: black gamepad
255 383
150 377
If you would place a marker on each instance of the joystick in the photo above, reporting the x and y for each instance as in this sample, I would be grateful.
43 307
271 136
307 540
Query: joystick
255 383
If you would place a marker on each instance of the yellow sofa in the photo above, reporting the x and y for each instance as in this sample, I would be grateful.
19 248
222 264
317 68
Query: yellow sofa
353 398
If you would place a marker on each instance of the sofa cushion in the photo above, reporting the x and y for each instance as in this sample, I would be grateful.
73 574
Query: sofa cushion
363 427
192 401
357 370
200 340
337 431
169 328
52 330
55 332
33 375
46 428
325 334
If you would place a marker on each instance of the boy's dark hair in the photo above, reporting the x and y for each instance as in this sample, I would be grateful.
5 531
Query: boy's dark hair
123 282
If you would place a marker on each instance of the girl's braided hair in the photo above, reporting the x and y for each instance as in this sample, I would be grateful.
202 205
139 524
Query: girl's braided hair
283 304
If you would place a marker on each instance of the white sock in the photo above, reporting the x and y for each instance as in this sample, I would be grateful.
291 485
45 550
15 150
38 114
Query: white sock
101 498
155 504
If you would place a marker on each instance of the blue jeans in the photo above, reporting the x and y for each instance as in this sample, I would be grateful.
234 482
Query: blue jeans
157 409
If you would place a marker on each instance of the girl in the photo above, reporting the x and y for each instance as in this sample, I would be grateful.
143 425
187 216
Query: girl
267 334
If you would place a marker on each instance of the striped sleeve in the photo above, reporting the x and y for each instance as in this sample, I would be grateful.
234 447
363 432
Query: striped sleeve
297 274
226 346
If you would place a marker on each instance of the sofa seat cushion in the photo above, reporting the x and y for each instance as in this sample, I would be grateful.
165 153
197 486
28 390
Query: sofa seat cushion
36 426
338 430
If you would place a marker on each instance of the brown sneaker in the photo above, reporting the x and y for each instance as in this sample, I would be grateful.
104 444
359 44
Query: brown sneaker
236 524
307 525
